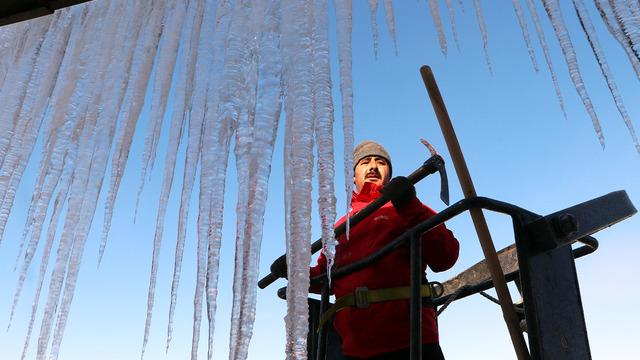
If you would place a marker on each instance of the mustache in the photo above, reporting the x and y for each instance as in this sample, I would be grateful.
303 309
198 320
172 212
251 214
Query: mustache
372 172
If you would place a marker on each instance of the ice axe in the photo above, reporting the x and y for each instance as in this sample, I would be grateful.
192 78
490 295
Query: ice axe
436 163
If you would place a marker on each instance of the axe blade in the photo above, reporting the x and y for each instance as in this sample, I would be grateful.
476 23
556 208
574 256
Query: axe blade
444 182
444 186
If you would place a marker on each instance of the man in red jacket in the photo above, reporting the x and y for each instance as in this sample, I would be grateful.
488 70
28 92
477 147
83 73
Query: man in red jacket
381 330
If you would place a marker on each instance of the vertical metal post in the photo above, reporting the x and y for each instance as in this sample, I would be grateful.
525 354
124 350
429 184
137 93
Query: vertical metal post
322 336
415 302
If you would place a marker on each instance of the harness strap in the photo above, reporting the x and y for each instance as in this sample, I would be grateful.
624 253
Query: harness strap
362 297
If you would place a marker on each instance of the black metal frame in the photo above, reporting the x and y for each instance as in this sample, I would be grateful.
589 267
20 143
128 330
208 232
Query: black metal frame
13 11
537 237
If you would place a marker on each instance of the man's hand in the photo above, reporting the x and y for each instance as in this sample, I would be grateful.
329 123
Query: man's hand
400 191
279 269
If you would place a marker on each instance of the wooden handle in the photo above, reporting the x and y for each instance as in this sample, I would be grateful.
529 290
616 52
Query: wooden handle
477 216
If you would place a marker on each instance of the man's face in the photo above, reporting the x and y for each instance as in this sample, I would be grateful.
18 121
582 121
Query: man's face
373 169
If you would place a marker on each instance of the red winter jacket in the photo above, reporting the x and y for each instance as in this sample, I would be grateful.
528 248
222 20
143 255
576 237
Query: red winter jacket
384 326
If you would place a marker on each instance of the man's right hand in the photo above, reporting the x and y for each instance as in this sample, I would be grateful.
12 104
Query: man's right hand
400 191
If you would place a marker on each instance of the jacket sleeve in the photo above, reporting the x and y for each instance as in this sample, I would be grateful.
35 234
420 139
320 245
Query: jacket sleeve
439 247
320 268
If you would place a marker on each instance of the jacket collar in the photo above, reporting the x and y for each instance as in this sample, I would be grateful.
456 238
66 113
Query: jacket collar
368 193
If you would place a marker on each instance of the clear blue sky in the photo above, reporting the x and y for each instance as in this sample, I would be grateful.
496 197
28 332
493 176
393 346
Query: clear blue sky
518 147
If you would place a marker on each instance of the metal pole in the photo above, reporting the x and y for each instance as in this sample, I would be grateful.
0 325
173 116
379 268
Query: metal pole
479 221
415 302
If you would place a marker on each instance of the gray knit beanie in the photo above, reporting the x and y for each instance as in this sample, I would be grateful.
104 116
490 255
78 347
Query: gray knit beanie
370 148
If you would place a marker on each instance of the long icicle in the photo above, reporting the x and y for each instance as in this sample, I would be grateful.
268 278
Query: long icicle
545 51
590 31
343 19
238 99
70 239
50 172
163 75
373 9
626 13
553 11
437 21
296 55
391 22
606 13
84 194
254 149
39 92
525 32
175 134
40 88
452 20
194 141
483 31
13 95
138 72
323 128
214 157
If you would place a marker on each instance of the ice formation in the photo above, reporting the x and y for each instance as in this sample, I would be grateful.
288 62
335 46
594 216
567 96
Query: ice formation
435 14
452 19
554 12
545 50
525 32
231 67
483 31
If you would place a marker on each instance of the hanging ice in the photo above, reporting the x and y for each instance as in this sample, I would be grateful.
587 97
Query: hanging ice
483 31
452 19
13 93
590 31
626 14
255 138
435 14
343 19
92 139
525 32
39 89
545 51
323 129
187 56
553 11
214 155
138 71
242 52
373 8
195 114
391 22
163 74
606 13
296 55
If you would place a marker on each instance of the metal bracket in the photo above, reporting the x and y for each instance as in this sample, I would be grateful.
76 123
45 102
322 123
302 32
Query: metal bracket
568 225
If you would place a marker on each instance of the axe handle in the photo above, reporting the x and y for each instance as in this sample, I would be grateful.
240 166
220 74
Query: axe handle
477 216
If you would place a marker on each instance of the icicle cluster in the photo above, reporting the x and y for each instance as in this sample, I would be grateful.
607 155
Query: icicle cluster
77 80
621 18
225 63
